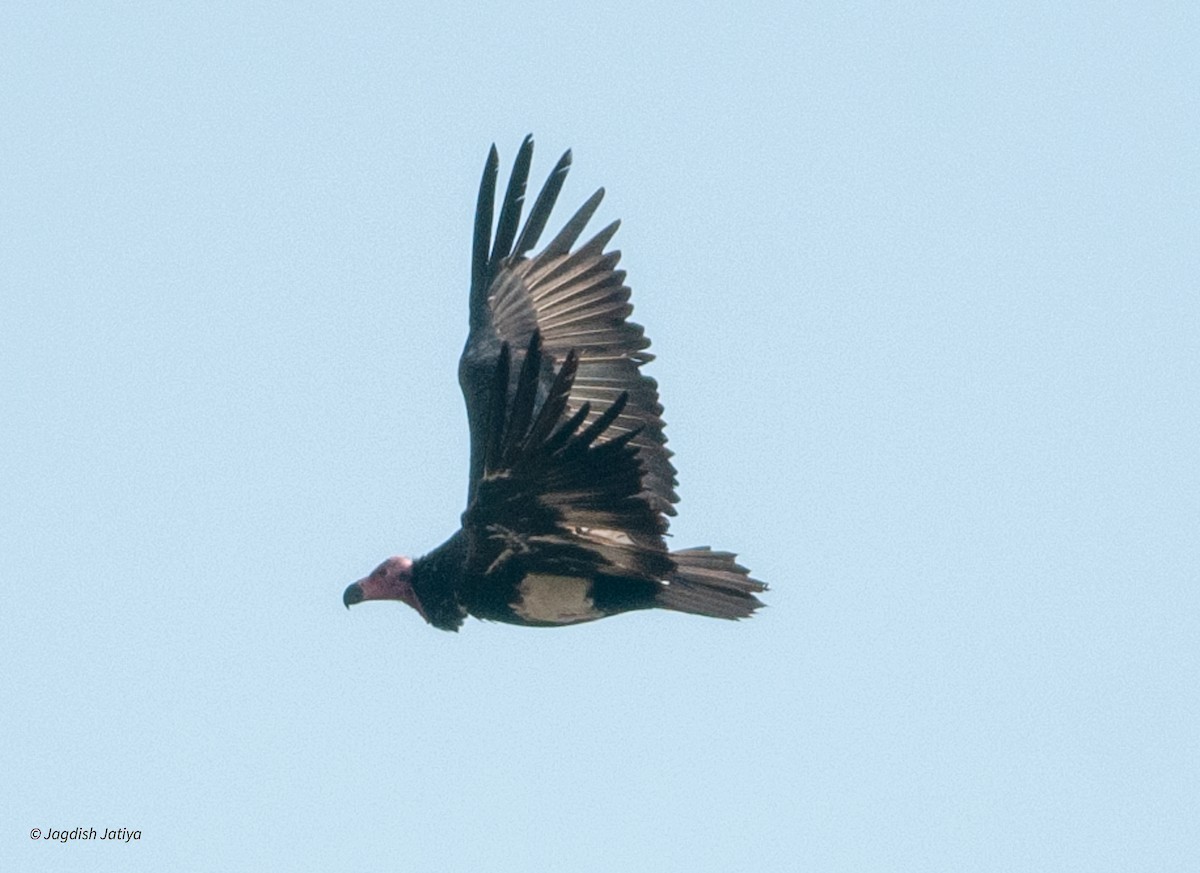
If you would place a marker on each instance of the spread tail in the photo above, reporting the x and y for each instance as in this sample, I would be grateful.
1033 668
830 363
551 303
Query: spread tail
710 583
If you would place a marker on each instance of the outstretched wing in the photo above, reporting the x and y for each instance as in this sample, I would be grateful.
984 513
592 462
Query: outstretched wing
553 498
578 301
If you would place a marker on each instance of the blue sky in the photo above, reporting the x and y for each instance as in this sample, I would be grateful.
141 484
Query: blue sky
923 287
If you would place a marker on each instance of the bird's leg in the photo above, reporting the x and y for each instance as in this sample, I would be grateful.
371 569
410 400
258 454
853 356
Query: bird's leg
514 544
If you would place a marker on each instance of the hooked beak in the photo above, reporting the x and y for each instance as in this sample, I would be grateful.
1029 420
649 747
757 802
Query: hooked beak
352 595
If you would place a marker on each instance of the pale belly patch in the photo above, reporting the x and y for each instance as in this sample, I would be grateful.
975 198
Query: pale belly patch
555 599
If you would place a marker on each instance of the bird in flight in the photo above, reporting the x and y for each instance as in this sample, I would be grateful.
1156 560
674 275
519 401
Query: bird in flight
571 483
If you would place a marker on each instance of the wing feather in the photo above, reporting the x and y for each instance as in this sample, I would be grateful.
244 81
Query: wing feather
578 302
514 199
570 487
480 274
543 206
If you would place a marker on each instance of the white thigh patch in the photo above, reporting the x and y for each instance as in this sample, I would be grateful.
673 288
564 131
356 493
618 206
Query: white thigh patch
604 535
555 599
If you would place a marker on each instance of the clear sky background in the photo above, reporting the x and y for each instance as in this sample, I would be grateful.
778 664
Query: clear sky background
923 286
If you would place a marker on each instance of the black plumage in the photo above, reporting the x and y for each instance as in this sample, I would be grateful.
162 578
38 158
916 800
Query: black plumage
570 481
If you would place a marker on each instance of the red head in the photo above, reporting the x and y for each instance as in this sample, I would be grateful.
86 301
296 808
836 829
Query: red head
391 580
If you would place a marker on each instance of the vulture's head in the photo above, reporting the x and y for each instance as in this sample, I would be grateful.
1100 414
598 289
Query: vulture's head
391 580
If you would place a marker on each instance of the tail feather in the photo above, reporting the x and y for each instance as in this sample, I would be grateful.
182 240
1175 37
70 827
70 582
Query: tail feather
710 583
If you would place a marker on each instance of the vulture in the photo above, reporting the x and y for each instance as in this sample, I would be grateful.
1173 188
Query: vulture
571 483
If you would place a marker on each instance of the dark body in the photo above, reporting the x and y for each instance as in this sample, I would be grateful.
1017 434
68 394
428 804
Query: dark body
439 574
